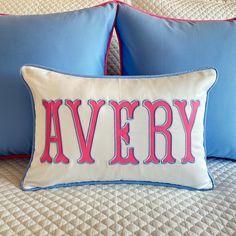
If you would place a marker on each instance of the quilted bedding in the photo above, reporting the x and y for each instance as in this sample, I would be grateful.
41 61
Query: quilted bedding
120 209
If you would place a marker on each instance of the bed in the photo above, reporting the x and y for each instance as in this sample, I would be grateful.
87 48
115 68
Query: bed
120 209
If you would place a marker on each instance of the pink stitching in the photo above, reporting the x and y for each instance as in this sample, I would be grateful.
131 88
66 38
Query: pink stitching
110 36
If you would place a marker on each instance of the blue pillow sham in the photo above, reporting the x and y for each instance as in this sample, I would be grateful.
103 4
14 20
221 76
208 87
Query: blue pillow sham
157 45
73 42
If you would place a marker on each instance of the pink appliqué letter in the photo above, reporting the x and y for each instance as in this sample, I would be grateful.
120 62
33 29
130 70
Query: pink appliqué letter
85 144
188 126
152 107
123 132
52 108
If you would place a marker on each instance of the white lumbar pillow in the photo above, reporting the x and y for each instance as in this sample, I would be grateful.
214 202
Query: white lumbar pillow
118 129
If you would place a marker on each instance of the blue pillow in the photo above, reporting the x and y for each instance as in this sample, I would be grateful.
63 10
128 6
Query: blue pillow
157 45
73 42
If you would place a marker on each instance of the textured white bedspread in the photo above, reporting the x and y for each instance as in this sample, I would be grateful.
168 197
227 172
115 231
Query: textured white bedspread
118 209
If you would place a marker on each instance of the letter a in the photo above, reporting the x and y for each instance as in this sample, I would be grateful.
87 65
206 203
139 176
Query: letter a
188 126
85 144
123 132
52 108
152 107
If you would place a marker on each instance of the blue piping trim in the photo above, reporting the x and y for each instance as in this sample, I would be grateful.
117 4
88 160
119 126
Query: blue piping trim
118 76
62 185
33 138
205 125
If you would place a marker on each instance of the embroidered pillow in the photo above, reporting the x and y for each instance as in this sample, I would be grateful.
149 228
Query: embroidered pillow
157 45
74 42
127 130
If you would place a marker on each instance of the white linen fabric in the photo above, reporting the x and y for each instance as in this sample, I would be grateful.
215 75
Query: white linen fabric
161 122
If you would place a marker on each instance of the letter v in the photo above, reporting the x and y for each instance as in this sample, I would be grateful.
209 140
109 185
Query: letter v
85 143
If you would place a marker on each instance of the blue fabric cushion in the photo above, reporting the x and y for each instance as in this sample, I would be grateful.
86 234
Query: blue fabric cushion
73 42
152 45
